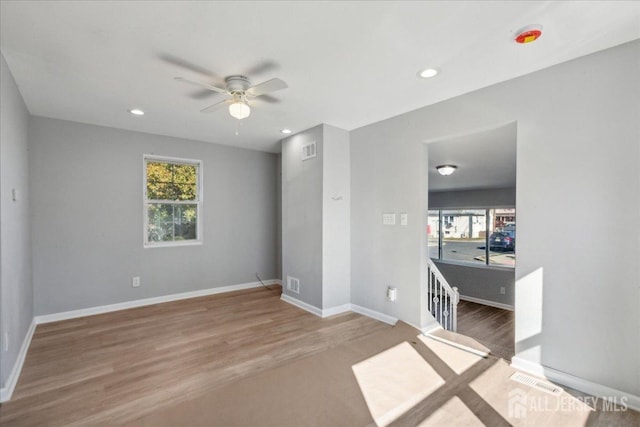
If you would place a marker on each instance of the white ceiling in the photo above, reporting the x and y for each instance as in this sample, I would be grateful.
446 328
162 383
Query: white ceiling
347 64
485 160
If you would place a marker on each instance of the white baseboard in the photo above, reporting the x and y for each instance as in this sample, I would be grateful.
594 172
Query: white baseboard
301 304
487 302
47 318
374 314
339 309
315 310
12 380
585 386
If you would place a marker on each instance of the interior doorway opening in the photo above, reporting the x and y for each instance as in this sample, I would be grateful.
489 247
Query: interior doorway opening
471 228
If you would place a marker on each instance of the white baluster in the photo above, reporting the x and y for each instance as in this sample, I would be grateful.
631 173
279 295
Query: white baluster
445 312
429 306
454 309
448 311
440 300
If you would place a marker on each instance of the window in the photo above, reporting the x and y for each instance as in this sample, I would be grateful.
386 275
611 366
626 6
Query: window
172 201
433 234
464 235
473 236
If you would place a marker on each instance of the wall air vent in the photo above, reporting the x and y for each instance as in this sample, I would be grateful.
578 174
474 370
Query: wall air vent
293 284
309 151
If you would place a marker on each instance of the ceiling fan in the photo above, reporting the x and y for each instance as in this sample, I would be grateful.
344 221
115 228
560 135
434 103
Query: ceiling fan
240 92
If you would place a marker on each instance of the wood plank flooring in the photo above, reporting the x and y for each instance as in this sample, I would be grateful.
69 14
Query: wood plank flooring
247 358
492 327
115 367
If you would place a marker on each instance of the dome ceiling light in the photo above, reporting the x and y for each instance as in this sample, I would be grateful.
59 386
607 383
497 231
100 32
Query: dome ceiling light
446 170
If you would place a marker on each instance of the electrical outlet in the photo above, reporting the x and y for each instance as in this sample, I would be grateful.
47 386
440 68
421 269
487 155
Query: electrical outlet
6 341
135 282
392 293
502 290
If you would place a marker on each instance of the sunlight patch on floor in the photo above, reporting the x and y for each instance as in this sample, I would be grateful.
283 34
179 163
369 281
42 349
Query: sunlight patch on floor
458 360
394 381
453 413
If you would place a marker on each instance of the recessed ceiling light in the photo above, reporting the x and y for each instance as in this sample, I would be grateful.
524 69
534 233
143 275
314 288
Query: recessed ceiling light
286 131
427 73
136 111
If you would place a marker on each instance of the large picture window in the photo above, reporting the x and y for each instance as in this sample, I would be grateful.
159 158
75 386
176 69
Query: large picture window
172 201
473 236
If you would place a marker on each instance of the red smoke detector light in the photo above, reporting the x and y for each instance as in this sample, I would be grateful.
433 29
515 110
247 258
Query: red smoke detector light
529 34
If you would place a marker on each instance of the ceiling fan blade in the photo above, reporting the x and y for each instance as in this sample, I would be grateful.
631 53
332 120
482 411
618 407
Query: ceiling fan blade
261 68
267 87
204 85
173 60
203 94
214 107
268 99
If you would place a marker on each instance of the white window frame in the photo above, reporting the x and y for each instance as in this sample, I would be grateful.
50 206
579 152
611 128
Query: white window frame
145 202
487 264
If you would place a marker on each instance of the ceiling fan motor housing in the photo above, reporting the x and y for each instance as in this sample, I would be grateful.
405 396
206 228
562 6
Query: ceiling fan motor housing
237 83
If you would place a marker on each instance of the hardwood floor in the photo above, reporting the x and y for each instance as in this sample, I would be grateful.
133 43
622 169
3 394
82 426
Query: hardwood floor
492 327
115 367
247 358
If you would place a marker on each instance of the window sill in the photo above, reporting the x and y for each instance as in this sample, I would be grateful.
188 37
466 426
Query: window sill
172 244
473 265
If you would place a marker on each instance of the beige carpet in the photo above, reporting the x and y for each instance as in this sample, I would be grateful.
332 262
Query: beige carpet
393 377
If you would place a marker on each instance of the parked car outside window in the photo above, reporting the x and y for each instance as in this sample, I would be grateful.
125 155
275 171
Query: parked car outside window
503 240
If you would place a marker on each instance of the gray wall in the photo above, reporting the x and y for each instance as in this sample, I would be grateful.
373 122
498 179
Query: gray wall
316 217
16 289
302 216
490 198
336 218
573 119
387 176
87 217
279 216
480 282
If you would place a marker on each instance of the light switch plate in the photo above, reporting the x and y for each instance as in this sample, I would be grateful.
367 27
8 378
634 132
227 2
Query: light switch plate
404 218
388 219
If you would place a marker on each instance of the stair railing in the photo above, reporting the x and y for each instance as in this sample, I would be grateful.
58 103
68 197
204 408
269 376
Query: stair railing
442 299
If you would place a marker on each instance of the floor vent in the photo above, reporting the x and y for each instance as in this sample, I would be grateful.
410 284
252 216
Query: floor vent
536 383
293 284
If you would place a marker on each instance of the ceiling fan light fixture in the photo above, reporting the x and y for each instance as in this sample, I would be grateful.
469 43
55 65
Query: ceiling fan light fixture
446 170
240 110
